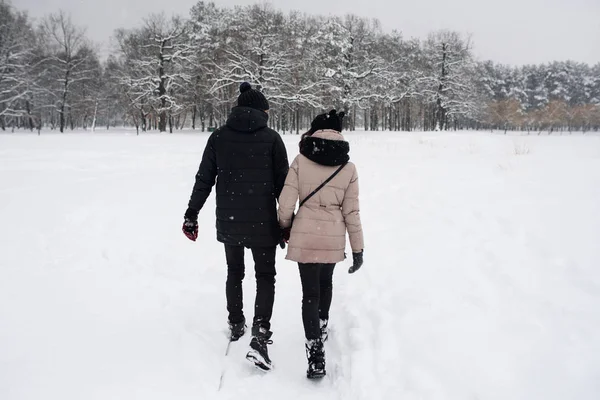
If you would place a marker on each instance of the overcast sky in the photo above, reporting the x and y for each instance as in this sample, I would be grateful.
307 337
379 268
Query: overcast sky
506 31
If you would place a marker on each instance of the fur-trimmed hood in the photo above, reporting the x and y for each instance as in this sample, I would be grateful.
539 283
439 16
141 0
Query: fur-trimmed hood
326 147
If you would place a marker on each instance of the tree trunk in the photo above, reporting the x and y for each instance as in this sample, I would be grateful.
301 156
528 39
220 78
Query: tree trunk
64 99
183 120
137 125
143 119
108 115
194 111
162 121
408 116
95 116
61 122
278 121
441 109
29 116
71 119
162 90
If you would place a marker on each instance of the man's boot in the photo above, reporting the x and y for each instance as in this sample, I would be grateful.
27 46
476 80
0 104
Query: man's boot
259 354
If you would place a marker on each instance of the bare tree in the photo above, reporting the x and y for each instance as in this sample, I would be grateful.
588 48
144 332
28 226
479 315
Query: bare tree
504 114
66 60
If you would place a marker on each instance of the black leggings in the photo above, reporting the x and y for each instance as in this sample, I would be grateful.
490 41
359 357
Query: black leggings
317 288
264 268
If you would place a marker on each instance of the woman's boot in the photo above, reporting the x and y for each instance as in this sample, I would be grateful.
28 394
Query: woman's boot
315 352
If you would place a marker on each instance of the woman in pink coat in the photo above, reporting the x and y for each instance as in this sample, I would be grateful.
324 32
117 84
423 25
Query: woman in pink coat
323 178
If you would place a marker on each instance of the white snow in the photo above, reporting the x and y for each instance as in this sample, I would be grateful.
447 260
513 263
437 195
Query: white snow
481 276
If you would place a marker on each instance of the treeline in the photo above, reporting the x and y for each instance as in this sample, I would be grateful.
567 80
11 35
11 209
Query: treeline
174 73
556 96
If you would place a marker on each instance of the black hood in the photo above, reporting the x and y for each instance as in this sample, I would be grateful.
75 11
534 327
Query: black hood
246 119
324 151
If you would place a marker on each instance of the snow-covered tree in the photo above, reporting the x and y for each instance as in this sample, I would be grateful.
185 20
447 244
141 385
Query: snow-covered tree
156 60
451 71
350 60
17 65
178 72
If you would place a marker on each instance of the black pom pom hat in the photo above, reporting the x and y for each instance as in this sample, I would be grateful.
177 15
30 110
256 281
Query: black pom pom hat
252 98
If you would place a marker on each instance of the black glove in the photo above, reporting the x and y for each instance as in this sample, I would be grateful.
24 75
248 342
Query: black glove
358 262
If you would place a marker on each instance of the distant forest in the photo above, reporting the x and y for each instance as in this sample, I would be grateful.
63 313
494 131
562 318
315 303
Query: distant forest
175 73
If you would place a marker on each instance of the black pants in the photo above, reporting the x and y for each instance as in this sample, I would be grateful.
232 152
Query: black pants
317 288
264 267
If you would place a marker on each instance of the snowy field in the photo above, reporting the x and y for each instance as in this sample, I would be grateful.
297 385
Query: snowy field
481 277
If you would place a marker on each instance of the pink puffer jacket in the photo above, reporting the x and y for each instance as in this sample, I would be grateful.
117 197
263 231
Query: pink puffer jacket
319 231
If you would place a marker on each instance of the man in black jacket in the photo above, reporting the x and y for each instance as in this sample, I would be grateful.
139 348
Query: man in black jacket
249 162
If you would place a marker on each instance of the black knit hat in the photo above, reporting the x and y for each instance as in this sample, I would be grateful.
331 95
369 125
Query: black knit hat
333 120
252 98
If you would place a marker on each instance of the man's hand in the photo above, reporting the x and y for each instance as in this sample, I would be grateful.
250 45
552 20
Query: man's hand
190 228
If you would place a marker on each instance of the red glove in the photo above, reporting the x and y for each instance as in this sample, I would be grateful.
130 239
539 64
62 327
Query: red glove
190 229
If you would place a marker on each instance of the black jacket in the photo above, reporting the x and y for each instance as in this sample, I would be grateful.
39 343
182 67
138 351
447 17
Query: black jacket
249 162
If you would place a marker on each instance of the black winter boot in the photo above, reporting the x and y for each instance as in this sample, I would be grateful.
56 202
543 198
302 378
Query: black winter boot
324 330
315 352
237 330
258 354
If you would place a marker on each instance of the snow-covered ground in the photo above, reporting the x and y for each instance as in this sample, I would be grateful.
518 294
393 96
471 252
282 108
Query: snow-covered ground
481 276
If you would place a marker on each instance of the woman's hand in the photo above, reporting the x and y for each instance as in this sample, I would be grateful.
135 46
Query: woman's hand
358 262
